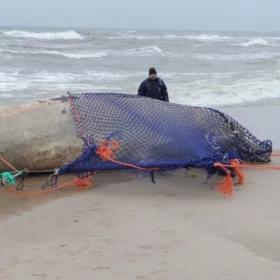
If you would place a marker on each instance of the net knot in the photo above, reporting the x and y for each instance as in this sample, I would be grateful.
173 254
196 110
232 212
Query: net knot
106 149
82 183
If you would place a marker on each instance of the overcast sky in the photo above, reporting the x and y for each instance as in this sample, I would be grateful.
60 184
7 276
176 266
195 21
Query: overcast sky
257 15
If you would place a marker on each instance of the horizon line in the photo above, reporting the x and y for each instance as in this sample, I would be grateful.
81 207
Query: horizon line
137 28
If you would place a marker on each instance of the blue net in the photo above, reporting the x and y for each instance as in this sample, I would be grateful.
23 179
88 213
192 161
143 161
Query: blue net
150 133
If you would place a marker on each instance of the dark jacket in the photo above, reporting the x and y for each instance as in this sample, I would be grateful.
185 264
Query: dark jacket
155 89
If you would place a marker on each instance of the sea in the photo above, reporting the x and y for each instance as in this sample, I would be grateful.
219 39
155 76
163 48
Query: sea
199 68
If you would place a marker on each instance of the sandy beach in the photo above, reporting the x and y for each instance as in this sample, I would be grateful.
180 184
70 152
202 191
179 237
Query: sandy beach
125 227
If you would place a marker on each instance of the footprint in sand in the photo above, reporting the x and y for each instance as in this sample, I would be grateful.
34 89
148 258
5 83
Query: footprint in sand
141 277
102 268
146 247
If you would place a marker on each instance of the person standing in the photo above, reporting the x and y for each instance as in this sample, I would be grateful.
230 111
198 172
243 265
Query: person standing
153 87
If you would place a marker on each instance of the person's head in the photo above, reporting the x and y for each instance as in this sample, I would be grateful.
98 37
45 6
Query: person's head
152 73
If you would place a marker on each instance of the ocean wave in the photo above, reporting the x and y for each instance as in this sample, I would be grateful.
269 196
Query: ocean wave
46 80
197 37
85 76
141 51
236 57
205 37
11 81
217 93
133 36
146 50
77 55
65 35
254 42
14 80
186 88
40 82
241 41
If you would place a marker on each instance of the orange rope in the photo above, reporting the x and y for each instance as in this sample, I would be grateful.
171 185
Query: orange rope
7 163
256 166
225 186
26 193
236 166
80 183
132 165
106 150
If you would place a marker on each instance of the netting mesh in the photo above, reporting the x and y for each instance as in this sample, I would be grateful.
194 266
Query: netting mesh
153 133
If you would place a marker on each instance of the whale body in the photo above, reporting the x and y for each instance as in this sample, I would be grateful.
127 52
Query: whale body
38 136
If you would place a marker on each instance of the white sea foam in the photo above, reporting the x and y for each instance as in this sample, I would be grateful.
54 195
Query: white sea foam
146 50
65 35
198 91
11 81
196 37
240 41
218 93
77 55
254 42
239 56
208 37
141 51
133 36
46 80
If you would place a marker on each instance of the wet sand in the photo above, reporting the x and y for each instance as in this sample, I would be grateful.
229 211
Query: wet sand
128 228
